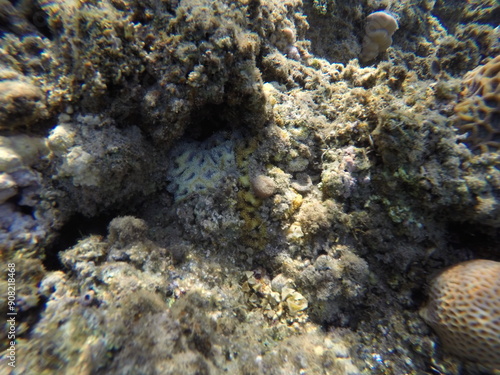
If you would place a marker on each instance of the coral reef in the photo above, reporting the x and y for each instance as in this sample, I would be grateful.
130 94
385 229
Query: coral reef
25 224
464 310
207 187
380 26
198 167
21 102
277 297
92 159
433 37
479 110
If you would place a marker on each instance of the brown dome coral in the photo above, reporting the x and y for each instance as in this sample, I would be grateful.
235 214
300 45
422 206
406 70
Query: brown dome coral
479 111
464 310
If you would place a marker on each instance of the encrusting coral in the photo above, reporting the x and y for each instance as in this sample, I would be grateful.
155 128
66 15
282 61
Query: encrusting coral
479 110
464 310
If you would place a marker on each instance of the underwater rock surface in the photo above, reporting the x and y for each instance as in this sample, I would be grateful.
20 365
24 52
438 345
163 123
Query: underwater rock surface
209 187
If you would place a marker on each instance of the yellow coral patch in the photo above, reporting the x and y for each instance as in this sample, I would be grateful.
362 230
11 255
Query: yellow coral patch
296 203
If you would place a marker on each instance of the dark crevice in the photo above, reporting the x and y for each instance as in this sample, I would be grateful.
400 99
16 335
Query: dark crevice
419 297
38 18
26 210
480 240
207 121
74 230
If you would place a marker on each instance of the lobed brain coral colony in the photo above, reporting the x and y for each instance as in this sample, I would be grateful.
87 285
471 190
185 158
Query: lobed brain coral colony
464 310
479 110
380 26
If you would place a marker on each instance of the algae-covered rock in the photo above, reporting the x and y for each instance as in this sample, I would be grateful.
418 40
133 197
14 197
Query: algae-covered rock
21 103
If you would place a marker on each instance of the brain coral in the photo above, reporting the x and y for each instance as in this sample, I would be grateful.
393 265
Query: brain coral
380 26
464 310
479 111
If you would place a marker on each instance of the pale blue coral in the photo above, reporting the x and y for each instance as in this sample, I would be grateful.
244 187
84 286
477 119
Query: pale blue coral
198 167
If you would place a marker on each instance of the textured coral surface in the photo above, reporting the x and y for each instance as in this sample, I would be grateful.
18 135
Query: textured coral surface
479 111
464 309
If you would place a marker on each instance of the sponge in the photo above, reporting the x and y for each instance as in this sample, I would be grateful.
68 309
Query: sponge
380 26
464 310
